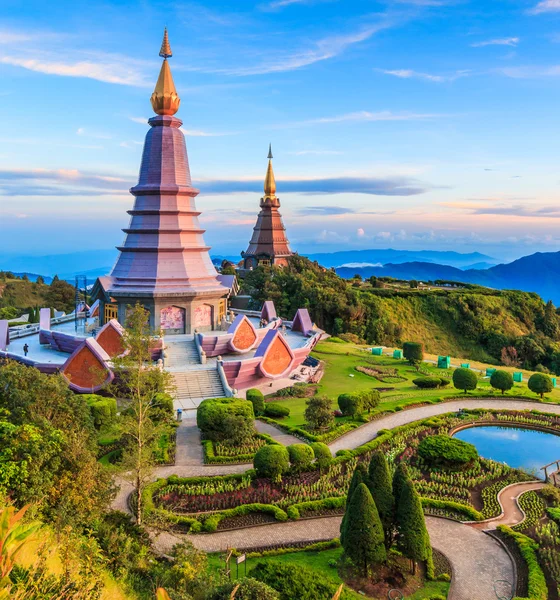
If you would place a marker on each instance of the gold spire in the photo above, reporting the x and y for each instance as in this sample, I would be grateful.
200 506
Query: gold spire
269 181
165 100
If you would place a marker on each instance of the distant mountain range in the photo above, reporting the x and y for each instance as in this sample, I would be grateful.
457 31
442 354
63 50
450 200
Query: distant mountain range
374 258
538 273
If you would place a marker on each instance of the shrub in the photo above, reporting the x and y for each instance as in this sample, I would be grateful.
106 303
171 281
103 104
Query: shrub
276 411
427 382
413 352
272 462
256 398
465 379
350 404
444 382
292 581
446 451
162 409
301 456
370 399
540 384
247 589
103 410
318 412
501 380
322 453
214 418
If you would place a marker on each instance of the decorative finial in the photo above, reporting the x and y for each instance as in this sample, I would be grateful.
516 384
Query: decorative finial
165 100
269 181
165 51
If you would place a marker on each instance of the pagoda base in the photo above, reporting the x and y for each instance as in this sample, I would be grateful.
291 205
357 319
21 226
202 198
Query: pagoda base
175 314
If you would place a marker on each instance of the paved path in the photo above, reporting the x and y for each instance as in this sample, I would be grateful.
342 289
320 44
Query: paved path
283 438
367 432
476 558
508 499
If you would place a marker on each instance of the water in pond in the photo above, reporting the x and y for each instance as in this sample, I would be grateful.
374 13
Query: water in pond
520 448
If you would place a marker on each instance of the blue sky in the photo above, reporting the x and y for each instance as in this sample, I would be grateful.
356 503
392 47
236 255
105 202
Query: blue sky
407 123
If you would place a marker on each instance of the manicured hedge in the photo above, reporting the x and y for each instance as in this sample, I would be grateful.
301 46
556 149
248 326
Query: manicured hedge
537 587
213 416
445 450
272 462
301 456
303 434
427 383
323 456
211 522
276 411
256 397
315 505
470 513
103 410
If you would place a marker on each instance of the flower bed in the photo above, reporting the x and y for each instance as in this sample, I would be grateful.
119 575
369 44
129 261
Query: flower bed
216 453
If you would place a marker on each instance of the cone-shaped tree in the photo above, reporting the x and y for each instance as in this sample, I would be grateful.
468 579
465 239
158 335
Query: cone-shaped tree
399 479
363 539
359 476
413 538
380 486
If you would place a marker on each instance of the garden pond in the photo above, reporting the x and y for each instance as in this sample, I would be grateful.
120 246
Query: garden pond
518 447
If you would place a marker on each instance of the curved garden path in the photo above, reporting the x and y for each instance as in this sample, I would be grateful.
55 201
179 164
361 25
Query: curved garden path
477 559
367 432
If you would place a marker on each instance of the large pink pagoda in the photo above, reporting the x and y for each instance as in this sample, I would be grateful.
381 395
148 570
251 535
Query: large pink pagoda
164 263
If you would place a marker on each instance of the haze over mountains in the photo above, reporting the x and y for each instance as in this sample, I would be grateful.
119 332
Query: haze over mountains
538 272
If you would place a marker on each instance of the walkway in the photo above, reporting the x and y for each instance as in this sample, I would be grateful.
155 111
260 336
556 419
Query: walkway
282 438
476 558
367 432
509 501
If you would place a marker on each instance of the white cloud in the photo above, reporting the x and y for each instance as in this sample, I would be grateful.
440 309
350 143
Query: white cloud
132 144
87 133
529 72
101 67
323 49
510 41
410 74
365 115
141 120
546 6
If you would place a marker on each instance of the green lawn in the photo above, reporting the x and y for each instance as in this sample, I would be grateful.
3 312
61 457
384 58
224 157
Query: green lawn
319 561
341 376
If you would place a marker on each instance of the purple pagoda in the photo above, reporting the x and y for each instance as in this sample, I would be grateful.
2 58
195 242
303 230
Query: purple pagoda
164 263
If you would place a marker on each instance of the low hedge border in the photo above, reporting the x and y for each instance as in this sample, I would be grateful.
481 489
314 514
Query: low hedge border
306 436
211 459
537 588
464 509
314 505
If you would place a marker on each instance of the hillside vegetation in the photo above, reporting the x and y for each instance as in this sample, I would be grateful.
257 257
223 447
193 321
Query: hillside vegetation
470 321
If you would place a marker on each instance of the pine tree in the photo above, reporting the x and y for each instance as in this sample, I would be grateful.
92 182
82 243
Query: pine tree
380 486
413 538
359 476
363 539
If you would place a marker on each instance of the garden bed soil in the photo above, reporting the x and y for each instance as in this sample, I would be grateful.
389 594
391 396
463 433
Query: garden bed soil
396 574
323 512
441 565
309 392
522 583
243 521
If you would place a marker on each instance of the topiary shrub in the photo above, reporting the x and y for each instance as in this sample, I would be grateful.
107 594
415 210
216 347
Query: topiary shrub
276 411
442 450
540 384
272 462
465 379
217 418
256 398
501 380
301 456
427 382
350 404
443 382
413 352
323 456
103 410
245 589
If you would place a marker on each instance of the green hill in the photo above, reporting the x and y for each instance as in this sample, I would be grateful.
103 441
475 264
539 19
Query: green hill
467 321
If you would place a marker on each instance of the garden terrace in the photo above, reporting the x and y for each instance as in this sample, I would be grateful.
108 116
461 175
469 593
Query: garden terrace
460 494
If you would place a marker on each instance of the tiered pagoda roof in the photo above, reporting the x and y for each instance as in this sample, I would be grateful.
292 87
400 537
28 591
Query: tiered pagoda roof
269 244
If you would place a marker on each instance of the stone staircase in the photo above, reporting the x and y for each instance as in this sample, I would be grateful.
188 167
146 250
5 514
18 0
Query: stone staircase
193 381
194 386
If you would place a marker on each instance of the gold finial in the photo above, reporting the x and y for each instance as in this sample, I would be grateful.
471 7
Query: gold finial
269 181
165 100
165 51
